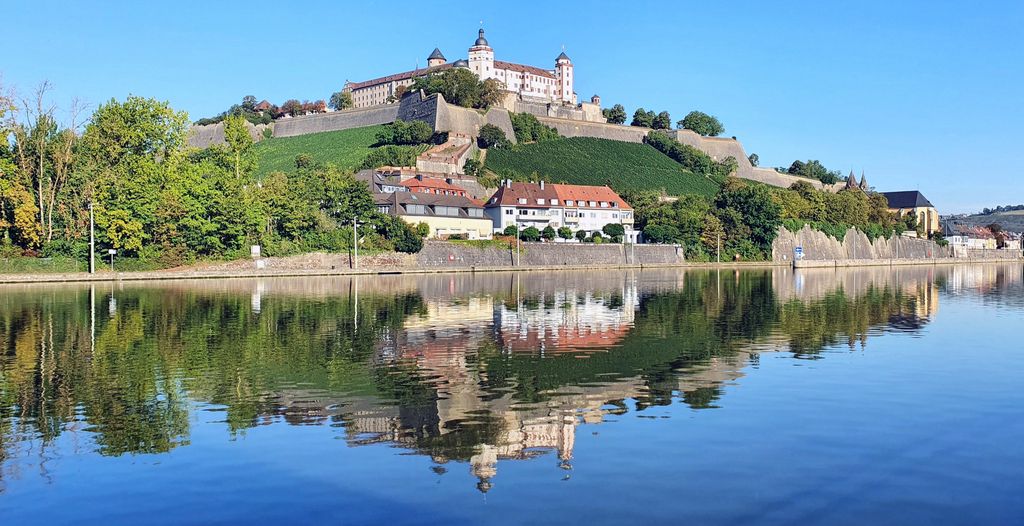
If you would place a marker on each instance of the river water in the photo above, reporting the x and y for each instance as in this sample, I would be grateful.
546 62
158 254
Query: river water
861 396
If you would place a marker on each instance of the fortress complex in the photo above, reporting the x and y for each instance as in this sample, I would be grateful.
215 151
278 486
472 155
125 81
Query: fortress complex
530 83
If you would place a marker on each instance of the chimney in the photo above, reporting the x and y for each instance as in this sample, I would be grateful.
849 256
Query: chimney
541 184
449 180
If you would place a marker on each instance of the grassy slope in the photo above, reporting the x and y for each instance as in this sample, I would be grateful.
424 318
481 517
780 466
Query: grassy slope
346 149
586 160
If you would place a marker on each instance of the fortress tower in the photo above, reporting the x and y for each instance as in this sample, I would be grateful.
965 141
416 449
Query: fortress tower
436 58
481 57
563 74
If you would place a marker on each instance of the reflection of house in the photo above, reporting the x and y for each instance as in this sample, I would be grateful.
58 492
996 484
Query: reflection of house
914 203
570 322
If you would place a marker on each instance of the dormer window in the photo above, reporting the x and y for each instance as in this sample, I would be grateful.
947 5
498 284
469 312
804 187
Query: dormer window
554 201
604 204
540 201
569 202
522 200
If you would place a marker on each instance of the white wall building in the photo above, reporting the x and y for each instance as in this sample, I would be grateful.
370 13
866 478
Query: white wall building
529 82
587 208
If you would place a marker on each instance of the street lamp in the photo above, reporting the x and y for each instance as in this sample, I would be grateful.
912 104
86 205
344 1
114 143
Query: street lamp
355 241
92 241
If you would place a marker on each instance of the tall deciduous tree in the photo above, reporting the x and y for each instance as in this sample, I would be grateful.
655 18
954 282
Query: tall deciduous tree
239 142
702 123
340 100
615 115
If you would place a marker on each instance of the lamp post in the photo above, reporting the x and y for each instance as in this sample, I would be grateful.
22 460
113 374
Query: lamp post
355 241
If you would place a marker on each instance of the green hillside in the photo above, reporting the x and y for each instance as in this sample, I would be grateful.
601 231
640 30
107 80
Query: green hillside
346 149
585 160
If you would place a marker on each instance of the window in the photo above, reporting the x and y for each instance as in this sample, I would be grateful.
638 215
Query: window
451 211
604 204
554 201
415 209
477 212
523 212
540 201
568 202
593 204
509 211
522 200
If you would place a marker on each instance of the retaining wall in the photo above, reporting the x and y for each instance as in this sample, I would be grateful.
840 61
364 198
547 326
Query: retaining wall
335 120
440 254
855 246
211 134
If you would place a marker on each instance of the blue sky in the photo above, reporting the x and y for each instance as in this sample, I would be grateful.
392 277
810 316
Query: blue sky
920 95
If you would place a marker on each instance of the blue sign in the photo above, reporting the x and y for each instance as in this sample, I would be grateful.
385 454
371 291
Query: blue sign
798 253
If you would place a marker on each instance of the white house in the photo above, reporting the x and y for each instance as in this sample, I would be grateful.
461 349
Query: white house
587 208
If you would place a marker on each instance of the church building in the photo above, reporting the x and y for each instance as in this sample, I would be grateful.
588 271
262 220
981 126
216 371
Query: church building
528 82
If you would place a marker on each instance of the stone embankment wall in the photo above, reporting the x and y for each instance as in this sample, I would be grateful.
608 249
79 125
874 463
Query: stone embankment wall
336 120
457 255
818 246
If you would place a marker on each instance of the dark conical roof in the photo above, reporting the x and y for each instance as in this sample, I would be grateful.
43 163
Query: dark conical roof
480 40
563 56
851 180
863 181
461 63
436 54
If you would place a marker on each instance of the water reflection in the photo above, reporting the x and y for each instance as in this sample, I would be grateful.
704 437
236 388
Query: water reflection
474 369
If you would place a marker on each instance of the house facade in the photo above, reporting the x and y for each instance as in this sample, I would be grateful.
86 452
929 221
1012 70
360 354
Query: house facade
586 208
446 215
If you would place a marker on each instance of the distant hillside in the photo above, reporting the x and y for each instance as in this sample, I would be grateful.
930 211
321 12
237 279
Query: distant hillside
1012 221
587 160
346 149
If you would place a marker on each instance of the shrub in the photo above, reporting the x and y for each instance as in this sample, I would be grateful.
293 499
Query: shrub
581 235
596 238
405 133
565 232
510 230
472 167
491 136
548 233
613 229
422 229
529 129
662 234
530 234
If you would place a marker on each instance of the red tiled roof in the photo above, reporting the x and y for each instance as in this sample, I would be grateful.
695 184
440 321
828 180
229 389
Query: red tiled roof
500 64
581 195
434 184
398 76
597 194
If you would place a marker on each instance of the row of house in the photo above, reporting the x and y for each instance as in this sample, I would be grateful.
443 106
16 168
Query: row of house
974 237
450 210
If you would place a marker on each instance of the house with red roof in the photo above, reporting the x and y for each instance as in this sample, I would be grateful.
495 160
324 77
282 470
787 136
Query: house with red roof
579 207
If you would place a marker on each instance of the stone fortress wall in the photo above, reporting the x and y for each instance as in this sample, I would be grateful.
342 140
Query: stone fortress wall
441 116
213 134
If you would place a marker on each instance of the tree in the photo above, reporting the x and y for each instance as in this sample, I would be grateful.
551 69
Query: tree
249 103
422 229
756 211
615 115
702 123
404 133
614 230
662 234
511 230
472 167
643 118
581 235
754 159
461 87
529 234
813 169
492 136
565 232
548 233
661 121
292 107
239 142
528 129
340 100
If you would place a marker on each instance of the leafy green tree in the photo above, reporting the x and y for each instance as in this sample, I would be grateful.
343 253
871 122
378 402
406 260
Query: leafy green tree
615 115
239 142
662 121
701 123
340 100
511 230
492 136
528 129
596 238
390 156
472 167
529 234
754 159
581 235
749 207
643 118
405 133
813 169
614 230
658 233
548 233
422 229
461 87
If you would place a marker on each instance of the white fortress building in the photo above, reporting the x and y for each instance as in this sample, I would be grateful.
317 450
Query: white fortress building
528 82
